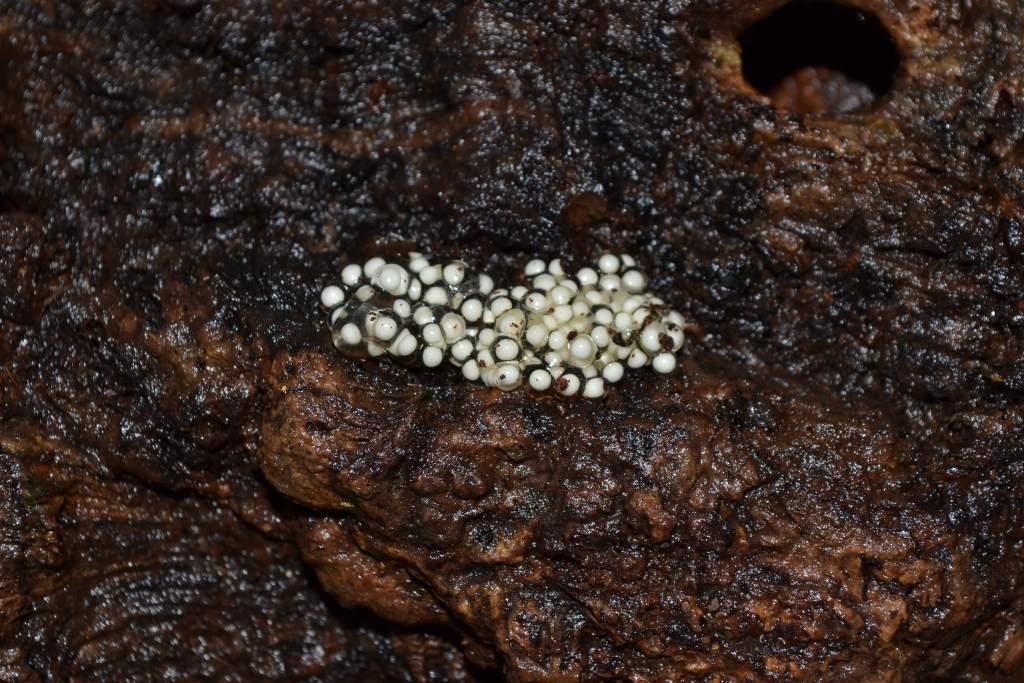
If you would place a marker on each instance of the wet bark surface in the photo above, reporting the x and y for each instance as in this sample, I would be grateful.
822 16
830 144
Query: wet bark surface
193 483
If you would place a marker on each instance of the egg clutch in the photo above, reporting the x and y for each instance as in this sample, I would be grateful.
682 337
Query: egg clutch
570 333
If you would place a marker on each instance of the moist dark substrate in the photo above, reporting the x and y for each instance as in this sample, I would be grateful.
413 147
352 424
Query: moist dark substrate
193 483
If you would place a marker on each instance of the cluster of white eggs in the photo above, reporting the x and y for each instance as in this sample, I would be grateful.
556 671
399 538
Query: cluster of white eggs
572 333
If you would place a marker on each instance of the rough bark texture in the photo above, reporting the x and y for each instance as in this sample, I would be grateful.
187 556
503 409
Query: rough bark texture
193 483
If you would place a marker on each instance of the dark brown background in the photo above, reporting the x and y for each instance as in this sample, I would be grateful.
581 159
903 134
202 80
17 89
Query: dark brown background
194 484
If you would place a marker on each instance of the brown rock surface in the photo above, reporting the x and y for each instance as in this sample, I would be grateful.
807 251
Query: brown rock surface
830 488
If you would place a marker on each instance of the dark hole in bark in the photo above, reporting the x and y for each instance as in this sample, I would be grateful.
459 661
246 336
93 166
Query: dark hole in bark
819 58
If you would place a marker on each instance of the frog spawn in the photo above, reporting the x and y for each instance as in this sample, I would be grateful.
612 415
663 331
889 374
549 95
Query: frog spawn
573 334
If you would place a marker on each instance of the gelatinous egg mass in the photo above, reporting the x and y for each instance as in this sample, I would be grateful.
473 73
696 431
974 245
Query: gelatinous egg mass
571 333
